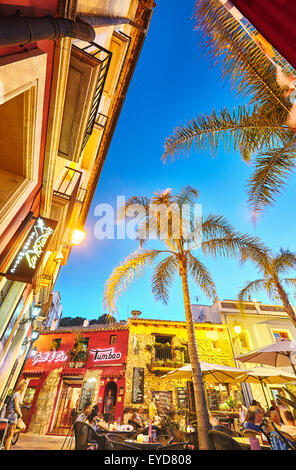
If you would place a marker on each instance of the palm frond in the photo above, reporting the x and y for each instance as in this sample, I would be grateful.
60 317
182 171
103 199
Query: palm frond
284 261
202 277
163 278
290 283
188 195
272 169
214 226
240 246
226 42
244 127
130 269
250 289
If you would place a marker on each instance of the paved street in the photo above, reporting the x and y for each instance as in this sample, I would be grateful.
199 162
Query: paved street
30 441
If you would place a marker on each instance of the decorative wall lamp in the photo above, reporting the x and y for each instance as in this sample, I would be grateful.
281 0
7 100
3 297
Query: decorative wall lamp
237 328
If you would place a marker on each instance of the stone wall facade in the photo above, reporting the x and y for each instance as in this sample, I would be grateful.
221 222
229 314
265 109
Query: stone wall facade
213 344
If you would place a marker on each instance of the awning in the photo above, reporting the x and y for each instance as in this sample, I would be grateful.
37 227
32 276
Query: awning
111 372
73 371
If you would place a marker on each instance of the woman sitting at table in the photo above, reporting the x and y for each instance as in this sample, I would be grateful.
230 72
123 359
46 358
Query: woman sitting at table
253 421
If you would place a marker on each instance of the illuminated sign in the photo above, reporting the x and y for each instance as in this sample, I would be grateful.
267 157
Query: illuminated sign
105 354
25 264
51 356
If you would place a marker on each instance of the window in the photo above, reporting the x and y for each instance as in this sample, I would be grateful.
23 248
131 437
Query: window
281 334
243 338
163 350
55 345
21 111
82 344
112 339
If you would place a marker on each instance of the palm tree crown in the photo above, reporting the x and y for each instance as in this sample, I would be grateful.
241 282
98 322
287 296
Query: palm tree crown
258 127
218 238
273 268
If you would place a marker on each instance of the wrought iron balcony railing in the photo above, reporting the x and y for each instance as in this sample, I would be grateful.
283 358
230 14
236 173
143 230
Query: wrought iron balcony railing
104 56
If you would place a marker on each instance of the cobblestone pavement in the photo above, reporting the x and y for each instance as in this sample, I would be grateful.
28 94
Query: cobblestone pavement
30 441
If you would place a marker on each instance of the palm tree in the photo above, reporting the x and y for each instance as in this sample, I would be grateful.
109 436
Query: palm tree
273 267
218 238
257 127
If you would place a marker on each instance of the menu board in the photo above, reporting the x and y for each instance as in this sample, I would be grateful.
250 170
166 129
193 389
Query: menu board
163 400
213 399
138 385
182 397
86 394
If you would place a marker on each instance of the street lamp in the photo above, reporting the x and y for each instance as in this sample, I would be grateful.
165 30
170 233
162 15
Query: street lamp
238 329
78 235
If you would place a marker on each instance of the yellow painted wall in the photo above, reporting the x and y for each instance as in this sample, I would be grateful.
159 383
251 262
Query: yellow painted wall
213 345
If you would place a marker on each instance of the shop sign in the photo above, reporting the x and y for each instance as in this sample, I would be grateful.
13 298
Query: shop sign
26 262
105 354
138 385
50 356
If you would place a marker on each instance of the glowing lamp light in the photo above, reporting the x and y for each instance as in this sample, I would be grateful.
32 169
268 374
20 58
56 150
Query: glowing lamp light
237 329
34 335
77 236
35 311
33 352
92 380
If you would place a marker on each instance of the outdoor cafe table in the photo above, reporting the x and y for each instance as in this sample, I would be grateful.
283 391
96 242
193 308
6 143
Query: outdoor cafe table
144 445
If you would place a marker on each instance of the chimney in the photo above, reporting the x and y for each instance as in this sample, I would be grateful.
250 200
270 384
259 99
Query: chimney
136 313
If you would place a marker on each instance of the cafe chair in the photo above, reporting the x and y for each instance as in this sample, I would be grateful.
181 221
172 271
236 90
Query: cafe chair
222 441
118 445
134 424
174 446
86 437
281 440
226 430
251 433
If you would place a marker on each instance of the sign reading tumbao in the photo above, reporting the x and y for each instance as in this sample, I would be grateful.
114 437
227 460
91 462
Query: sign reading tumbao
105 354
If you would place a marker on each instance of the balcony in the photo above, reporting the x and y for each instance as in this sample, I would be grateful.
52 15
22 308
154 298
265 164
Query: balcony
164 359
68 189
95 117
88 70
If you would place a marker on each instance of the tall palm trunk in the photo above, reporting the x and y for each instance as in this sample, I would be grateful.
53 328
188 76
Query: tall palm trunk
203 424
285 301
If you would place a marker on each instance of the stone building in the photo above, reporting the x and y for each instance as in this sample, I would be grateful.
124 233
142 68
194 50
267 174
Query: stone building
159 346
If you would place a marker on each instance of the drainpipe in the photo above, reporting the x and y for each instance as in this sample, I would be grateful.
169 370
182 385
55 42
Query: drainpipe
21 30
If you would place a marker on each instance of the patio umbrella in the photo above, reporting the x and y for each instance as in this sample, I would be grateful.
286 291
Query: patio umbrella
212 373
277 354
264 375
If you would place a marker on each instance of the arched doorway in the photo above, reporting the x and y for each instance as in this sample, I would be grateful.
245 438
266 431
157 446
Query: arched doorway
109 403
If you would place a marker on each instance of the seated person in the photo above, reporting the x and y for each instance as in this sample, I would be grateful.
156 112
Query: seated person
85 413
141 417
134 421
127 415
93 419
290 427
253 421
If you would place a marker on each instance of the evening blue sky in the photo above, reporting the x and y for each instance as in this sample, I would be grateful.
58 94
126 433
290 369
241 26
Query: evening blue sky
173 82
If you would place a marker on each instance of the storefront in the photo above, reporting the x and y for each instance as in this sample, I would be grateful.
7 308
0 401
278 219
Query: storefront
72 367
159 346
